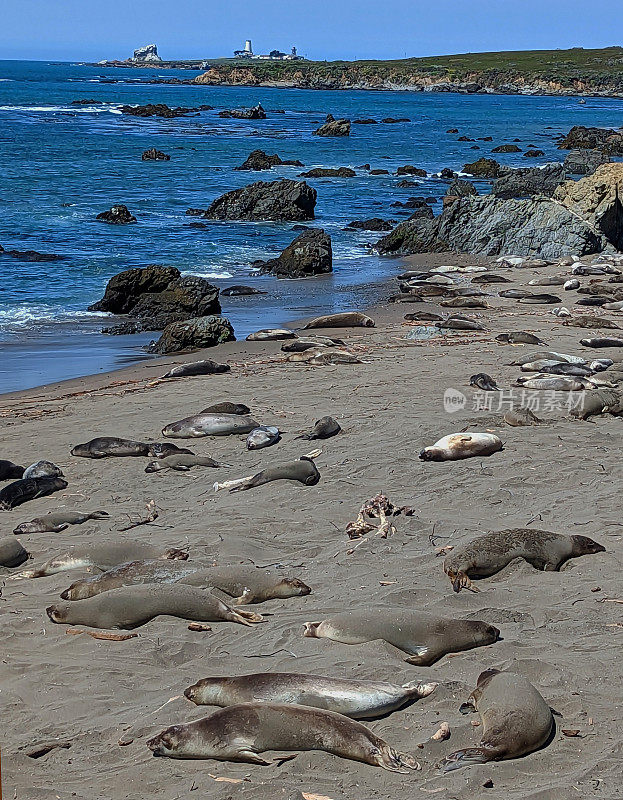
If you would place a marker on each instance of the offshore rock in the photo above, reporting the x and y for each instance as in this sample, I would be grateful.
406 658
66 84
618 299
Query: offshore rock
278 201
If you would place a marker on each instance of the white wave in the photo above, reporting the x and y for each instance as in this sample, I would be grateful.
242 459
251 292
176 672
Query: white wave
7 80
94 109
199 274
19 316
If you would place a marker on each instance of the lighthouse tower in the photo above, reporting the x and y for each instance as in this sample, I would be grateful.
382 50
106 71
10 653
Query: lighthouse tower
247 47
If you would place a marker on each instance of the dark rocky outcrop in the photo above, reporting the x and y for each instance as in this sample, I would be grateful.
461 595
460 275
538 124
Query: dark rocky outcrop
379 172
309 254
393 120
194 334
29 255
257 112
448 174
83 102
368 121
533 153
155 155
157 296
530 181
325 172
409 169
278 200
605 139
507 148
585 162
333 127
457 189
259 160
161 110
118 215
374 224
483 168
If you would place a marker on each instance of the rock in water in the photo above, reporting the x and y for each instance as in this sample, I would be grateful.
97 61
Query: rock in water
605 139
309 254
329 172
118 215
257 112
194 334
531 181
484 168
259 160
373 224
585 162
333 127
147 54
155 155
278 201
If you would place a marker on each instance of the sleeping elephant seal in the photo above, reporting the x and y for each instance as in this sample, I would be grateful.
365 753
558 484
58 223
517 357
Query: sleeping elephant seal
207 367
26 489
486 555
241 732
10 471
210 425
271 335
302 471
456 446
424 637
519 337
58 521
264 436
353 698
133 606
107 446
43 469
227 408
348 319
182 463
102 557
599 401
324 428
132 573
12 554
516 720
248 584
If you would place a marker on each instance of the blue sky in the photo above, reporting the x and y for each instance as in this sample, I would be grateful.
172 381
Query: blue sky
97 29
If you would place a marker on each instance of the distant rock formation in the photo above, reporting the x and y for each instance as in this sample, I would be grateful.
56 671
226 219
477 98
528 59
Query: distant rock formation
333 127
193 334
155 155
147 55
529 181
259 160
278 201
309 254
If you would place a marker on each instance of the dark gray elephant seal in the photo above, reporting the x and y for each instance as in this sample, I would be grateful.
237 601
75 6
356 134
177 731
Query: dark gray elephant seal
603 341
424 637
324 428
302 471
484 381
111 446
264 436
486 555
519 337
133 606
132 573
521 417
12 553
182 463
348 319
240 291
58 521
210 425
353 698
248 584
102 557
599 401
10 471
241 732
206 367
516 720
227 408
43 469
26 489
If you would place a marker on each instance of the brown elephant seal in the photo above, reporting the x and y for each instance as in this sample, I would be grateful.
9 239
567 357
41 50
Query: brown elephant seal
43 469
227 407
248 584
424 637
241 732
519 337
10 471
484 381
26 489
182 463
602 341
132 573
12 553
211 424
108 446
206 367
271 335
456 446
132 606
348 319
465 302
321 359
521 417
102 557
599 401
353 698
58 521
460 324
324 428
590 321
302 471
486 555
516 720
540 299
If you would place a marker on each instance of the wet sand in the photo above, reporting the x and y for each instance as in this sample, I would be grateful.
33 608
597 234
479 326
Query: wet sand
561 476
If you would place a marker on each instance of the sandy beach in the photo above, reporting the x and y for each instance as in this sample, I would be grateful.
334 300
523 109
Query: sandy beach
103 699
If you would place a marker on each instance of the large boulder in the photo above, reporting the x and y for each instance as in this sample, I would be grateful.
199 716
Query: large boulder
156 296
118 215
492 226
457 189
333 127
155 155
581 138
309 254
146 55
278 201
194 334
259 160
257 112
329 172
484 168
597 199
585 162
526 182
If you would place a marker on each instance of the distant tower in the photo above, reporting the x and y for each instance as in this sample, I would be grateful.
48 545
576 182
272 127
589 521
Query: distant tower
247 47
294 51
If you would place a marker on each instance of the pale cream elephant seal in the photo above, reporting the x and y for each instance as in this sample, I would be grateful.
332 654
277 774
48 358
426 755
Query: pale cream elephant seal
456 446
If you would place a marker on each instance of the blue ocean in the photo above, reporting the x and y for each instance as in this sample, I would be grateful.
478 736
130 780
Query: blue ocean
62 164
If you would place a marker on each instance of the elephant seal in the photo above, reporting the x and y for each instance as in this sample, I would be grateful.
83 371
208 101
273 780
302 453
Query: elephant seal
485 382
490 277
302 471
107 446
518 337
590 321
12 553
227 408
348 319
573 370
540 299
548 280
132 606
132 573
240 291
302 345
264 436
486 555
210 425
424 637
460 324
43 469
182 463
26 489
58 521
10 471
241 732
324 428
320 359
521 417
465 302
514 294
423 316
541 363
462 445
271 335
353 698
603 341
516 720
547 355
102 557
549 383
599 401
247 584
207 367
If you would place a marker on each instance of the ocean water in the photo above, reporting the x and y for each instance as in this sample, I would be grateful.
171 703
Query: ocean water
60 165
